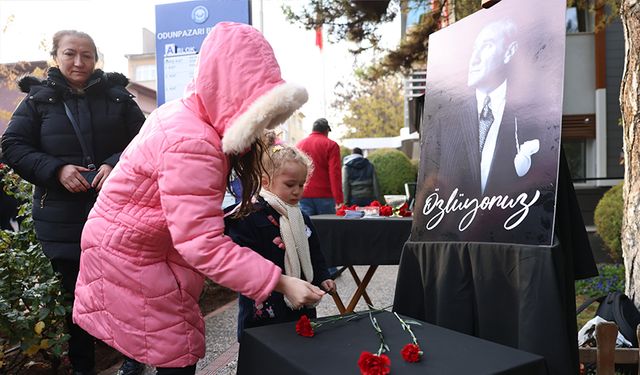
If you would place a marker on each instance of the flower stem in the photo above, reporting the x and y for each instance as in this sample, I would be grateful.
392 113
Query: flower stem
407 328
383 347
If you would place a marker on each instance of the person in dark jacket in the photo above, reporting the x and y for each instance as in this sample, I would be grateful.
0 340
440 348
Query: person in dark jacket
281 232
42 146
359 180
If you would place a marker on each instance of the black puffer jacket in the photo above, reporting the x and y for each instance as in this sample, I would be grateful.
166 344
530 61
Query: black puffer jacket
40 139
359 180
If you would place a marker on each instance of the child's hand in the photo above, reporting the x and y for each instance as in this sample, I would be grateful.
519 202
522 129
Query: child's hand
328 285
299 292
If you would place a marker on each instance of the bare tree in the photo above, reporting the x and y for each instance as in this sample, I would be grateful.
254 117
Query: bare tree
630 107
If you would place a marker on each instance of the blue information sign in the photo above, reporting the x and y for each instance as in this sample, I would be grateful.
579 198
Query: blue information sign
180 30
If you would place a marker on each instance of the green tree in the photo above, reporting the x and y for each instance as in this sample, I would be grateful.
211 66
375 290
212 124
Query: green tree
373 108
357 21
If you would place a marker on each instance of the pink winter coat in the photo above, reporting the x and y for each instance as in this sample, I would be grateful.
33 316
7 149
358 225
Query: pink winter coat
156 230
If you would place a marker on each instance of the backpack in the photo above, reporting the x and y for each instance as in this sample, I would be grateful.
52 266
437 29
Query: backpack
618 308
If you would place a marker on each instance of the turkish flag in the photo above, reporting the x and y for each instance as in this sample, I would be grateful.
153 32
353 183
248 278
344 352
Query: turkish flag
319 37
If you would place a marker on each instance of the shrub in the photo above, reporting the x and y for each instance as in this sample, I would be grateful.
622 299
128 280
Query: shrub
608 220
393 168
344 151
415 163
32 307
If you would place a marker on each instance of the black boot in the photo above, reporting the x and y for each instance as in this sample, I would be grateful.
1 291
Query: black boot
131 367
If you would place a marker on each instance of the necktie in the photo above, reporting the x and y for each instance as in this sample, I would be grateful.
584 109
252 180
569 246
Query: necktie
486 119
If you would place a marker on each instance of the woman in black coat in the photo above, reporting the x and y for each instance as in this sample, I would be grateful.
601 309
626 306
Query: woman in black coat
43 146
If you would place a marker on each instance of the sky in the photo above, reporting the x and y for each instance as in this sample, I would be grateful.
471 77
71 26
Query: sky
26 28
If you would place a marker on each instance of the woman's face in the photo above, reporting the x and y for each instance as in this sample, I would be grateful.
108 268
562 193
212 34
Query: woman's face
76 59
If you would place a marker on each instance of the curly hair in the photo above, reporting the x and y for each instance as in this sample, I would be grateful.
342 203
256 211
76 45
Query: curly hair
277 155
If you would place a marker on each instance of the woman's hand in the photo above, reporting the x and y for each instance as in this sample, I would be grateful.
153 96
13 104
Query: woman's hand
103 173
298 292
329 286
70 177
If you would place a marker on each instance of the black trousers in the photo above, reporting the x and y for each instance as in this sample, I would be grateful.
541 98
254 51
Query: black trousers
81 344
189 370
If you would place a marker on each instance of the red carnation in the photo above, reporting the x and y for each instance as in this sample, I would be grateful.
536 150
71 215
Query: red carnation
375 204
411 353
303 327
371 364
341 211
353 207
386 211
404 212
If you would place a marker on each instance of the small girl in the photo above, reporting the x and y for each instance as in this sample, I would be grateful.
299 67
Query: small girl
281 233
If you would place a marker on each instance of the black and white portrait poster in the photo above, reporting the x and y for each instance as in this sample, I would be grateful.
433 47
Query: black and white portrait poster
492 124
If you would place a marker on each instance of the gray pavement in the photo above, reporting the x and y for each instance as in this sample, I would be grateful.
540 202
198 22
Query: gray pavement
221 355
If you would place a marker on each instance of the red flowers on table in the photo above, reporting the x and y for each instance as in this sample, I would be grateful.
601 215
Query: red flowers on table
304 327
404 210
342 210
386 211
370 363
411 353
373 364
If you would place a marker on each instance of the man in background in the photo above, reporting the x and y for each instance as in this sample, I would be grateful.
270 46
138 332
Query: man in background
323 192
359 180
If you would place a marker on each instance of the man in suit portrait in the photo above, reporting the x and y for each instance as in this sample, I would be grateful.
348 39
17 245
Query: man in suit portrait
489 137
484 139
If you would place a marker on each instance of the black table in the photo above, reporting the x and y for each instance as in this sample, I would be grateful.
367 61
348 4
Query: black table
361 241
516 295
278 349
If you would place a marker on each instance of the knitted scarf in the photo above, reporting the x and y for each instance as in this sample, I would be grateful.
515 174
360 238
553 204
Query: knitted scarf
297 258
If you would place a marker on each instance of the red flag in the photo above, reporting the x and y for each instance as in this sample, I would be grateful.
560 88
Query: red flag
319 37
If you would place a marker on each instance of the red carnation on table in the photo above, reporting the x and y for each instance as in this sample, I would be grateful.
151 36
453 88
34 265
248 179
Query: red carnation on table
411 353
303 327
404 212
371 364
341 211
386 211
375 204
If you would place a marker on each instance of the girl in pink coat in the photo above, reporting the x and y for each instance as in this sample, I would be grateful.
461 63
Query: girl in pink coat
154 233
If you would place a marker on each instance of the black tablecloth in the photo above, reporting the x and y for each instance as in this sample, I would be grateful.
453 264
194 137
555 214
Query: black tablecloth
364 241
516 295
277 349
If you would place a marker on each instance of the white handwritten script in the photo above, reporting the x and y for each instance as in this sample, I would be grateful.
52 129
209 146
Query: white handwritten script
435 208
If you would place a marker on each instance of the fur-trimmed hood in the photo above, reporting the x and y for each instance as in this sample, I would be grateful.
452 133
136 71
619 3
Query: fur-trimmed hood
55 79
238 88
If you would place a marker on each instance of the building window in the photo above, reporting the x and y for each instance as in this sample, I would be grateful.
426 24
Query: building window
579 20
146 73
576 152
